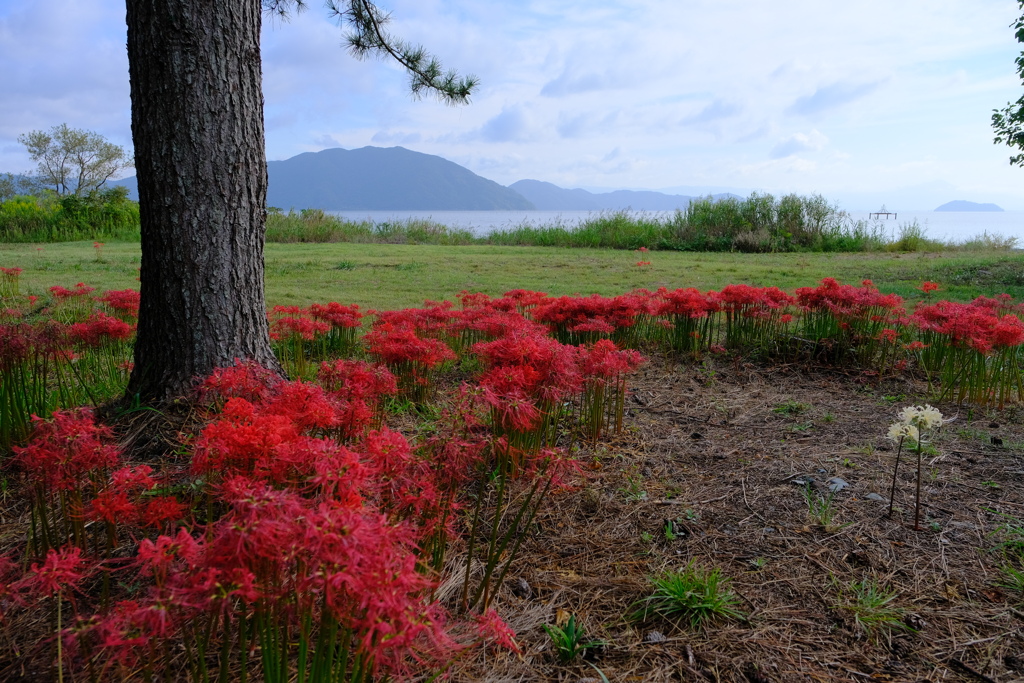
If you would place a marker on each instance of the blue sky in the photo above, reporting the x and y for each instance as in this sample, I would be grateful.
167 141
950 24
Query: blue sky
866 102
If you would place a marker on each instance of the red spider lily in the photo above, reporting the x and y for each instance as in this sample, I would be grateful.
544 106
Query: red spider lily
975 349
474 299
493 629
159 510
962 323
245 379
546 369
118 634
307 405
487 323
341 475
744 298
751 314
928 287
513 408
357 388
643 263
133 478
431 321
10 572
9 282
242 441
156 557
66 450
411 357
643 250
266 439
124 302
999 304
889 335
846 322
113 506
337 314
690 312
586 319
357 380
72 304
62 293
292 549
605 362
99 329
398 345
847 300
284 327
61 570
401 481
1008 332
525 299
602 401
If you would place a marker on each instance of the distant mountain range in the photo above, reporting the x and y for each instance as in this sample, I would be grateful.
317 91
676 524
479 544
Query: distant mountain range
379 178
549 197
383 178
961 205
397 179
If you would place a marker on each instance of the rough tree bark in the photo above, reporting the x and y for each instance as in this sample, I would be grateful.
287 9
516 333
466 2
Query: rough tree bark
197 126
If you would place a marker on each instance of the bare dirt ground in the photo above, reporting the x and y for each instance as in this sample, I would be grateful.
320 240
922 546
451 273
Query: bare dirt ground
726 456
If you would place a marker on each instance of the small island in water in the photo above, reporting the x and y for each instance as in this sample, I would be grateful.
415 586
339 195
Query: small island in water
961 205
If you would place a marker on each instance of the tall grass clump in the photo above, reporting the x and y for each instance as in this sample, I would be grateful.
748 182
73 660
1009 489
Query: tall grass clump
912 237
318 227
421 231
987 242
103 215
761 223
315 226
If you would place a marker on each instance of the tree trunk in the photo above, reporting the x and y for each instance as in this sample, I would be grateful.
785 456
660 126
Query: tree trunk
197 126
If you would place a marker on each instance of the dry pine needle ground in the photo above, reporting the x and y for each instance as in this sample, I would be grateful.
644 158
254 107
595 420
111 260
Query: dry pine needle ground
715 453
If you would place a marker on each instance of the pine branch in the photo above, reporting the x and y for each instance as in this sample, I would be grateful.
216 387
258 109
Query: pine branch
369 37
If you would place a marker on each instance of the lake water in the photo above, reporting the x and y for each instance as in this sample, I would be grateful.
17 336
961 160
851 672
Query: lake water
942 225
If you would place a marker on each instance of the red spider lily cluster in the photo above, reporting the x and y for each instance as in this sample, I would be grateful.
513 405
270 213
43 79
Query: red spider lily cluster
404 341
9 278
72 304
298 525
283 536
320 331
975 348
123 303
46 363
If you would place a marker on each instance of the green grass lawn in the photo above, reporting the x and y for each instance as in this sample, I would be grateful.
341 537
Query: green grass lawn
386 276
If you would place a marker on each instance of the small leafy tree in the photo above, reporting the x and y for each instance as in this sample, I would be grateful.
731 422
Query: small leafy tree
1008 123
74 161
13 185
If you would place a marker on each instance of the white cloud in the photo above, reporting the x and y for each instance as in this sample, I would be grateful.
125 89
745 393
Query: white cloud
831 96
706 92
798 143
